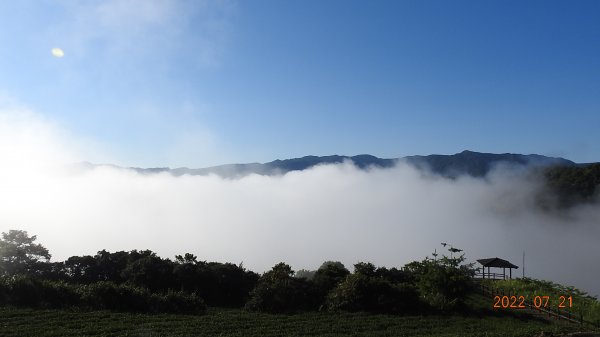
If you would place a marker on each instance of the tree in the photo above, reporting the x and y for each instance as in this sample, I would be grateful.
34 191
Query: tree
150 271
442 283
19 254
186 272
231 284
82 269
110 266
187 258
365 268
278 291
327 277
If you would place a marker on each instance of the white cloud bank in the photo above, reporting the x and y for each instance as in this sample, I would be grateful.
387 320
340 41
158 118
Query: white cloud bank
334 212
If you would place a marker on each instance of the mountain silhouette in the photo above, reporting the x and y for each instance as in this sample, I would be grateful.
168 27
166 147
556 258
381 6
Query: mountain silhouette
471 163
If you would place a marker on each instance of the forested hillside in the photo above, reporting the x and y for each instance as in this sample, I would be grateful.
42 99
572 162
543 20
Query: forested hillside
572 185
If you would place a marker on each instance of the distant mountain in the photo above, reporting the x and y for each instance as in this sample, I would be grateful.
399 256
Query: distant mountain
567 183
478 164
467 162
274 167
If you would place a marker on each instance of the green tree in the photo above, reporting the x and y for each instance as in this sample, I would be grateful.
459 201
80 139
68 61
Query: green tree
82 269
443 283
327 277
365 268
19 254
110 266
150 271
278 291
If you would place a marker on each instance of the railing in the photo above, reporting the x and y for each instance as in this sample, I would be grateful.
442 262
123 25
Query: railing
491 276
565 314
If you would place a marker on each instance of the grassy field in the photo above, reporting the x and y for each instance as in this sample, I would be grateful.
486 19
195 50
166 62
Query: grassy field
582 303
230 322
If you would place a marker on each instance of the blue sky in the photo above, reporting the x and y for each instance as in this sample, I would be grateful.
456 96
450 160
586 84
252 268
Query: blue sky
200 83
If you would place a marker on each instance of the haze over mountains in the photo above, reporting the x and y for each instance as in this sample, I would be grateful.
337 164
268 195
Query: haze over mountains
565 183
471 163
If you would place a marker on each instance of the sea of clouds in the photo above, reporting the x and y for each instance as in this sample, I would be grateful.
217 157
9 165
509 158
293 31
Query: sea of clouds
331 212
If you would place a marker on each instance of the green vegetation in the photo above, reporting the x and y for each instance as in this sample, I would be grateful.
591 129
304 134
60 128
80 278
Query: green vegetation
141 281
443 283
583 305
19 255
235 322
33 292
138 293
277 291
375 290
138 281
571 185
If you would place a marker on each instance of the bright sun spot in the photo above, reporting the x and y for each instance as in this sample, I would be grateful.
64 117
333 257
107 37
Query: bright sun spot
57 52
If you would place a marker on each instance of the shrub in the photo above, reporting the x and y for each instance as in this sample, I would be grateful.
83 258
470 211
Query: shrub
28 291
125 297
360 292
32 292
119 297
179 302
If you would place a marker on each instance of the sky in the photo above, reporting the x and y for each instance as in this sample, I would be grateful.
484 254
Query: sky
154 83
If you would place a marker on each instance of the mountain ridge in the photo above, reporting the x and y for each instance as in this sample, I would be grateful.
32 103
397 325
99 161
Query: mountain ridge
476 164
567 183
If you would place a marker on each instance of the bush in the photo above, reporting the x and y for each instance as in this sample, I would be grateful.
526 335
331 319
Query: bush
443 287
27 291
360 292
104 295
110 296
179 302
125 297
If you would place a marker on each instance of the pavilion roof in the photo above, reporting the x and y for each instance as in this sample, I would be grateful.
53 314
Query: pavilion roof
496 263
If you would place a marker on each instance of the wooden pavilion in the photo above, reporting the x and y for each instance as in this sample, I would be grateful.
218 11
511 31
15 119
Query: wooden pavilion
496 263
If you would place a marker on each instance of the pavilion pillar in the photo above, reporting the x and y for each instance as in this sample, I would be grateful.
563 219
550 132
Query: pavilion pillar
510 272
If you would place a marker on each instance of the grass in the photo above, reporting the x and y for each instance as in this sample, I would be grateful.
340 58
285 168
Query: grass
232 322
479 320
583 304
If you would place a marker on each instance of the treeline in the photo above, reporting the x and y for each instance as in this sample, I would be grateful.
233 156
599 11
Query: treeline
143 281
219 284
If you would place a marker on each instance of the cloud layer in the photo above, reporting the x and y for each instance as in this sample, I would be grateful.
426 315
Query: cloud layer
332 212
